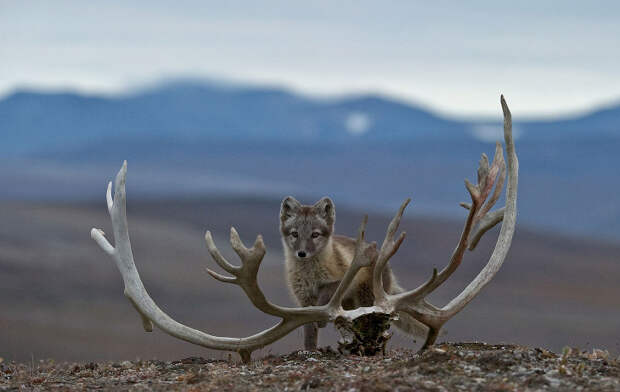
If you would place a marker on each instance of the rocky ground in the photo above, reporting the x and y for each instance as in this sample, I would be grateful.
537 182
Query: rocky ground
454 366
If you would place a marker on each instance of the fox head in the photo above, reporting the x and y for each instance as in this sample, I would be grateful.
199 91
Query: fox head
306 229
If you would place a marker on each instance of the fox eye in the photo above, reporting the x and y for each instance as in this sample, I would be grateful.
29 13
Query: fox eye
294 234
315 234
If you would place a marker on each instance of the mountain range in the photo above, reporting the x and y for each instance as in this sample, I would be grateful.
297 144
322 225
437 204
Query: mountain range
35 122
191 138
192 111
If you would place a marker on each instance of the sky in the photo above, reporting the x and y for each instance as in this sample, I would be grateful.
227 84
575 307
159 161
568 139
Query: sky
549 58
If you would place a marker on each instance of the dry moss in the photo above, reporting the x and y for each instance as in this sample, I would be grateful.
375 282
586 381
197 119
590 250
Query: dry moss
454 366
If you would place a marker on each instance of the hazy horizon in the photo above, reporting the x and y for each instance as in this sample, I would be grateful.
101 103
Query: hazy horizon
139 87
455 59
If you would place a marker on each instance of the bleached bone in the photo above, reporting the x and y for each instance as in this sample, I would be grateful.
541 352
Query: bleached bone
412 302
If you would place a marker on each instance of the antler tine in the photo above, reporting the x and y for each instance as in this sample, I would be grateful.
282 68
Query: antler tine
489 180
246 275
486 179
419 292
484 222
365 255
389 246
388 249
508 227
498 166
217 256
483 170
467 206
507 118
487 222
498 159
108 197
99 236
250 258
235 241
360 246
396 220
414 302
457 255
121 179
361 233
474 192
259 244
222 278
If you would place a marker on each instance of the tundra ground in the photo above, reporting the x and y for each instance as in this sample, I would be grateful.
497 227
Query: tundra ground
446 367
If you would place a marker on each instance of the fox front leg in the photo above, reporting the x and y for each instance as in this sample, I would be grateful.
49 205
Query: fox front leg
323 294
311 336
311 331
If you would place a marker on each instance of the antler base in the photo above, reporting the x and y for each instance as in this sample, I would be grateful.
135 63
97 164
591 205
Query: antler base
366 335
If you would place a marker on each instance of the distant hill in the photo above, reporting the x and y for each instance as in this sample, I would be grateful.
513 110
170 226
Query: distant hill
599 124
188 138
36 122
203 112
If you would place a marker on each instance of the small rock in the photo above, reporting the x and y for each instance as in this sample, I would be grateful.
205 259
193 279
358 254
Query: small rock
193 378
312 383
599 354
553 382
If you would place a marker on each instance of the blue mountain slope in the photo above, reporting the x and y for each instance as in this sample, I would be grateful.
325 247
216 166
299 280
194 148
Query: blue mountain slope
195 139
38 122
599 124
192 112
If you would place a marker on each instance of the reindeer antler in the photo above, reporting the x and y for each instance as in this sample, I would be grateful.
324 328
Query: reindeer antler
243 276
412 302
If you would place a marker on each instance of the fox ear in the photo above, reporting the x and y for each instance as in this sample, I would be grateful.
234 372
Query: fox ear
325 208
289 207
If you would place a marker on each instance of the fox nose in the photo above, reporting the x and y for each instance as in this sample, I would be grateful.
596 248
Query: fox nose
301 254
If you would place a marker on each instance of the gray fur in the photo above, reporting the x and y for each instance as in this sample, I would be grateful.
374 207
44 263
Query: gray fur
313 278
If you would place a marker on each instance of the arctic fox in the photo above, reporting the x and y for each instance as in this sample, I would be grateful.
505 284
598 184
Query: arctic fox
316 260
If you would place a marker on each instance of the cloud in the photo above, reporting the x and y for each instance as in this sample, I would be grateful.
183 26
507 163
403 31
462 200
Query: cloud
546 59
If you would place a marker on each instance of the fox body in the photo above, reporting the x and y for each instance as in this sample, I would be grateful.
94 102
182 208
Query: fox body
316 260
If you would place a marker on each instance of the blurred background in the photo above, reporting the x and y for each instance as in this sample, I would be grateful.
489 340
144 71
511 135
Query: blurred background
224 108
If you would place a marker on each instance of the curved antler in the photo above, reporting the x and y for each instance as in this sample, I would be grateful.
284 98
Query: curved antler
412 302
244 276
